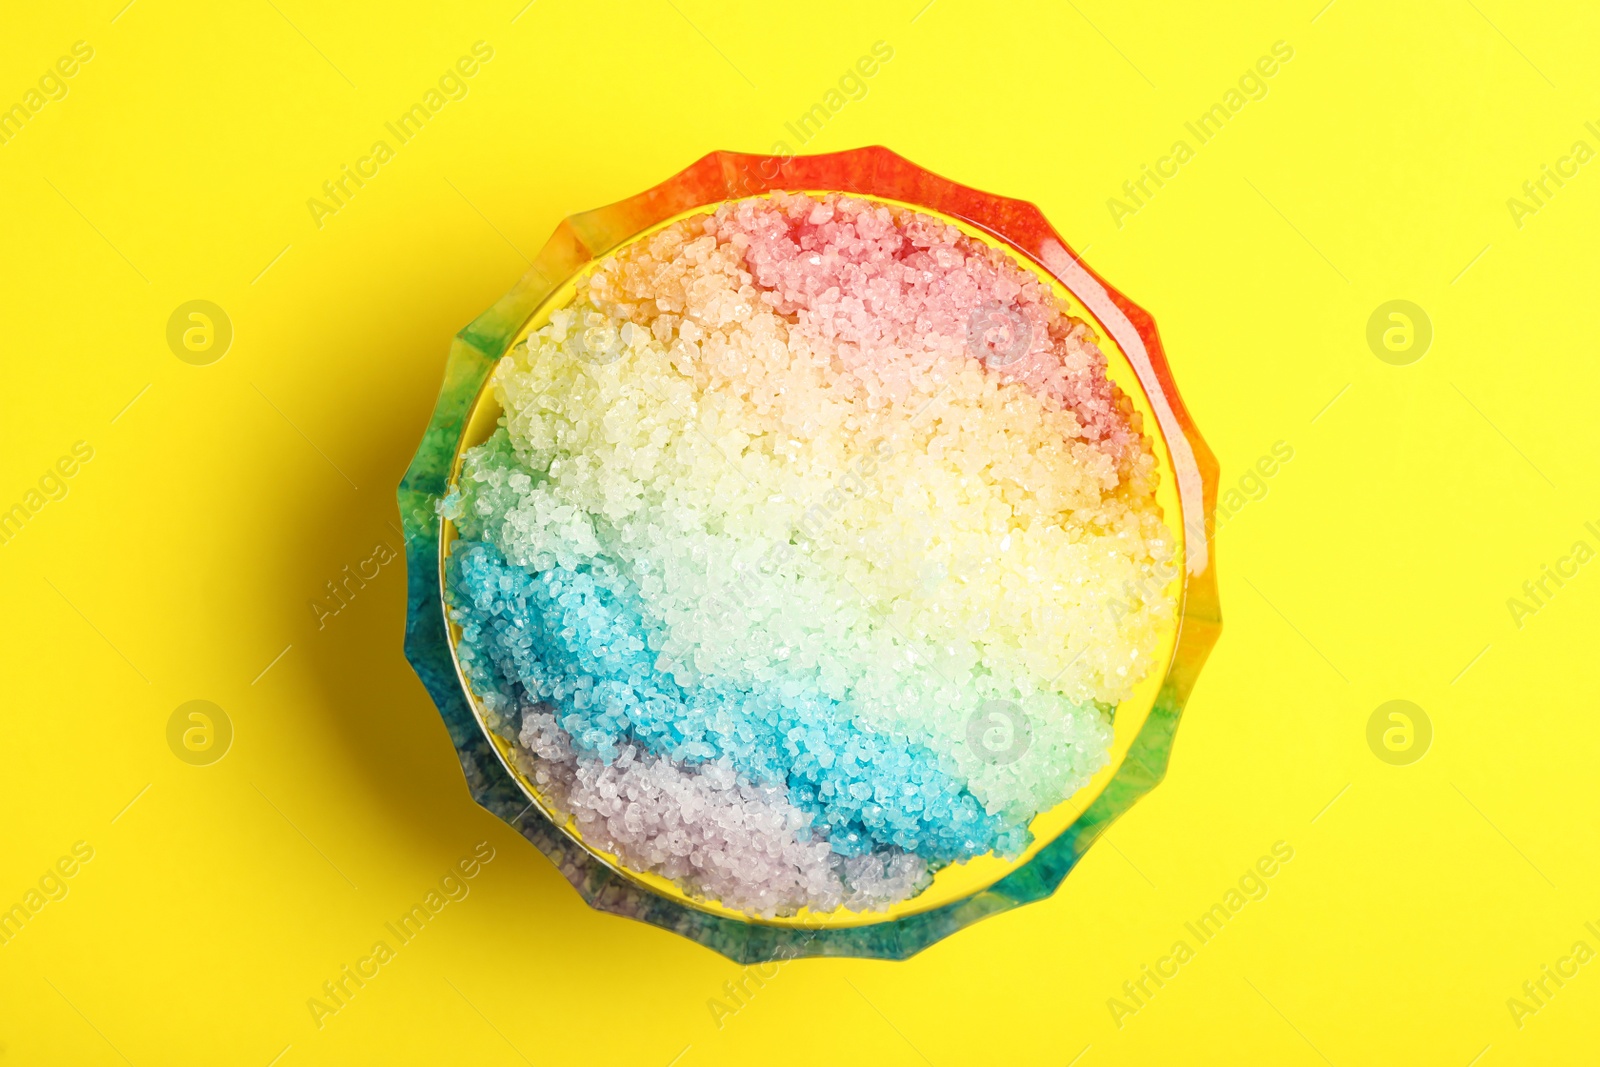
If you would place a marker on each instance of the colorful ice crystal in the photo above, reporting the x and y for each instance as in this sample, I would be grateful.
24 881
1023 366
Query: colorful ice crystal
684 823
779 505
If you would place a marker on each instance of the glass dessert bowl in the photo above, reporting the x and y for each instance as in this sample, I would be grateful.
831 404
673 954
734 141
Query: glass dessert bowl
810 555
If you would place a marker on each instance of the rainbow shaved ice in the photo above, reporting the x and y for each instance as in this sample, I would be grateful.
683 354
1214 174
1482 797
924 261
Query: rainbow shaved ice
790 507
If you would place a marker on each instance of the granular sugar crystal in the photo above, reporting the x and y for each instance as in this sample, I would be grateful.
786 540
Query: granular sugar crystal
782 508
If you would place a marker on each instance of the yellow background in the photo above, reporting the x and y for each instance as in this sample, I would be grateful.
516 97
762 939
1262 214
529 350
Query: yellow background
183 560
